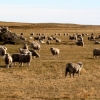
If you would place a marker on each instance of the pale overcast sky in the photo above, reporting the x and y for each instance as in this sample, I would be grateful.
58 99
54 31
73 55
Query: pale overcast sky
85 12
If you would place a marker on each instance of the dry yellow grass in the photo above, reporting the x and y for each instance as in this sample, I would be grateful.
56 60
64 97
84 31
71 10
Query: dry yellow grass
45 78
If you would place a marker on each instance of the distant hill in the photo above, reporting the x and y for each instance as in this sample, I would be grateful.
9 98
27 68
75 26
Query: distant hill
45 25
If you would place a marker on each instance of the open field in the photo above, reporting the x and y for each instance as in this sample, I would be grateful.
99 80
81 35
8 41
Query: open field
45 78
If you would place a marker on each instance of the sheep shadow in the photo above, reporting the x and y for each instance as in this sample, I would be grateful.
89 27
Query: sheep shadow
3 66
90 58
93 58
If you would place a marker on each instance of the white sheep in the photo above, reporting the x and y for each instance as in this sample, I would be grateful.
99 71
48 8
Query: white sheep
8 60
35 46
55 51
23 51
73 68
3 50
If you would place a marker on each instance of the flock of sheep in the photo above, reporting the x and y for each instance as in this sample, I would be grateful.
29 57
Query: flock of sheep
25 55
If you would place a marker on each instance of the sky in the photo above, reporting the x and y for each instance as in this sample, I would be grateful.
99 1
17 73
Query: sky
86 12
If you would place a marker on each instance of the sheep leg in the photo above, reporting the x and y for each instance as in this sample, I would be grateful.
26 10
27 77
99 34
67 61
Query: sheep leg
70 74
7 65
79 74
28 64
19 64
73 74
65 74
66 71
22 64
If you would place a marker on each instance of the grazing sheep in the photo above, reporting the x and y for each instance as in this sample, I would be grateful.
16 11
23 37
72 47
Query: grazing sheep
80 37
15 58
8 60
31 38
25 46
2 51
34 53
55 51
58 40
31 34
55 33
96 52
43 37
92 37
73 68
36 38
21 33
48 42
35 46
41 41
92 33
25 58
50 38
65 34
23 51
80 43
59 34
74 37
97 42
83 34
86 34
22 37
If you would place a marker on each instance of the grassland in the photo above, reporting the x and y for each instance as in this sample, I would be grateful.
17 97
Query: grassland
45 78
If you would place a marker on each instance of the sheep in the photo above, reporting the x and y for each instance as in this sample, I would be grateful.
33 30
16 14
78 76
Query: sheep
65 34
73 68
55 51
48 42
58 40
15 58
43 37
96 52
34 53
21 33
97 42
25 46
36 38
25 58
50 38
92 37
31 34
40 37
59 34
3 50
35 46
41 41
74 37
23 51
8 60
31 38
55 33
80 37
80 43
22 37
